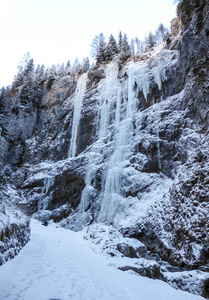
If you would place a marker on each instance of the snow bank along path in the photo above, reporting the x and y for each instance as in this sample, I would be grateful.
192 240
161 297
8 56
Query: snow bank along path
59 264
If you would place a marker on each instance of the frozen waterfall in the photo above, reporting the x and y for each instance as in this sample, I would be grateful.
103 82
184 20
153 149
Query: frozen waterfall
109 89
117 107
78 101
119 159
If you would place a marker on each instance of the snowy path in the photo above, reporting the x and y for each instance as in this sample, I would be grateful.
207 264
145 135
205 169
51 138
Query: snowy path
58 264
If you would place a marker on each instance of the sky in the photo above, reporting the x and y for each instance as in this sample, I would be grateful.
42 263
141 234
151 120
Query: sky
55 31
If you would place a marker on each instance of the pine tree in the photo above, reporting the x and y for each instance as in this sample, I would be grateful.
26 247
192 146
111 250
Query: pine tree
37 86
140 46
51 74
28 71
125 45
28 74
24 61
101 54
120 41
85 64
68 68
40 74
25 72
25 94
150 40
112 47
61 71
76 66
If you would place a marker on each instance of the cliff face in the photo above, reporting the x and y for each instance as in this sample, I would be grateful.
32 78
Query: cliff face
125 144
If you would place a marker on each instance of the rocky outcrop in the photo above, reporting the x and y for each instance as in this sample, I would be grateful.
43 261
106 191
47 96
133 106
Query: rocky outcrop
14 226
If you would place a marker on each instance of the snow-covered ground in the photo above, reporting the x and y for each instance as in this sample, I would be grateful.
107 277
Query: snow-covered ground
59 264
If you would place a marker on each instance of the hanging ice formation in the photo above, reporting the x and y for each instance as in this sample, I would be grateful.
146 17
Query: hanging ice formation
109 87
88 192
123 135
45 199
108 92
78 101
117 109
139 77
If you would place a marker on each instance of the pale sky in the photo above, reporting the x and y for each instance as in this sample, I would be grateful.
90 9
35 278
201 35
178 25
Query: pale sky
55 31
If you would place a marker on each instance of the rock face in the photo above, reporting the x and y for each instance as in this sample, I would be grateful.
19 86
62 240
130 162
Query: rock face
125 144
14 226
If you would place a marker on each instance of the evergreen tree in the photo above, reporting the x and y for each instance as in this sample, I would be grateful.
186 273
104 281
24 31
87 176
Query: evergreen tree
85 64
101 54
25 94
37 87
24 61
51 76
120 41
68 68
61 71
23 79
112 47
150 40
140 46
19 78
28 71
125 45
76 66
40 74
18 81
28 74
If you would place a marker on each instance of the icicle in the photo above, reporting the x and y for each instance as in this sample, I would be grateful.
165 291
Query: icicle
78 101
143 79
87 191
44 201
162 62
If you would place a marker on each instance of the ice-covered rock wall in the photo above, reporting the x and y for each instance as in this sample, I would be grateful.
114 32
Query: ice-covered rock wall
124 144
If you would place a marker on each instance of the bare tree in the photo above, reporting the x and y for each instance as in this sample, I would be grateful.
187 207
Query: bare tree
160 33
94 46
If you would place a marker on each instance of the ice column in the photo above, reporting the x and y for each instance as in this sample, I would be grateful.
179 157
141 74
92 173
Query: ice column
109 92
78 101
159 71
124 129
90 175
143 79
45 199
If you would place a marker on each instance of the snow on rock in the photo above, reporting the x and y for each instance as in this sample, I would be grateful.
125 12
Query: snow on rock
107 239
131 255
14 225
